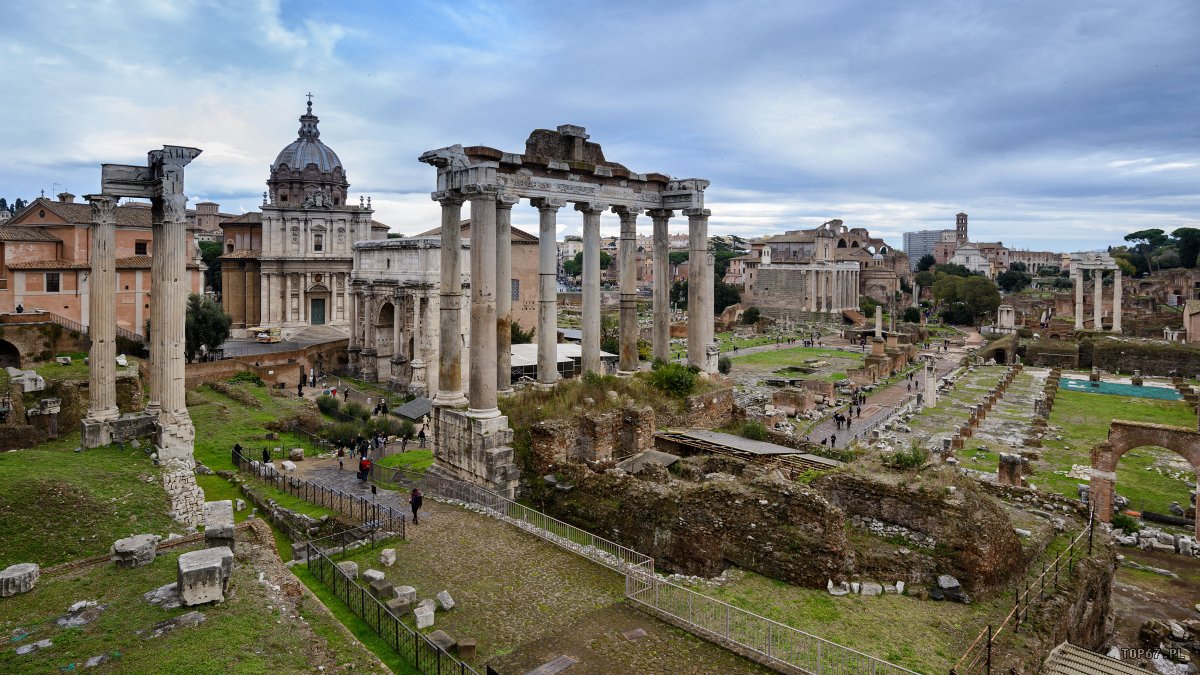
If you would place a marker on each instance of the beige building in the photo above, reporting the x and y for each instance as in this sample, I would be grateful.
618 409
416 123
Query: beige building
303 236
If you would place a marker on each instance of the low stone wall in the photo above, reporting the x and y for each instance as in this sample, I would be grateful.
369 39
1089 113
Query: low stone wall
1151 358
709 410
593 438
298 526
1052 353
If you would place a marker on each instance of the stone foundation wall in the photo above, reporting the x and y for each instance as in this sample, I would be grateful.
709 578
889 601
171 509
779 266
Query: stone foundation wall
1052 353
475 450
592 438
708 410
1152 359
981 548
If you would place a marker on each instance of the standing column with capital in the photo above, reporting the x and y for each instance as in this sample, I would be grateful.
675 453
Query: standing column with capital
450 296
1098 299
172 291
1116 316
627 364
1078 298
102 298
504 204
661 337
591 285
547 328
700 289
481 390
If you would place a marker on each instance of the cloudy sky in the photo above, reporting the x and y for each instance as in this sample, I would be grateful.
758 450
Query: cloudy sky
1059 125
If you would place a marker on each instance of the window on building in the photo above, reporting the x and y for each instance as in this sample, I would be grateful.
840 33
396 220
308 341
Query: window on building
52 282
318 242
141 247
516 289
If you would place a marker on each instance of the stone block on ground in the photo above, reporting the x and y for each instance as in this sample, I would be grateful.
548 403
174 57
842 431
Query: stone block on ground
387 557
871 588
349 568
398 606
239 505
19 578
407 593
372 575
33 647
201 576
381 589
288 465
951 589
442 640
296 454
445 600
466 649
218 523
166 596
135 551
424 616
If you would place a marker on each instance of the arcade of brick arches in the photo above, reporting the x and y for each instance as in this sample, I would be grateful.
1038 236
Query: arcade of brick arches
1124 436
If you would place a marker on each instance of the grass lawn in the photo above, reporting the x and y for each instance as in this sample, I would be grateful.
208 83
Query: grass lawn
221 422
245 634
925 636
413 460
78 370
58 505
1083 420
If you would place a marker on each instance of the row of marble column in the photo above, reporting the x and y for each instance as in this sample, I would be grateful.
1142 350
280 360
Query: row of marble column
491 218
1097 299
168 298
830 290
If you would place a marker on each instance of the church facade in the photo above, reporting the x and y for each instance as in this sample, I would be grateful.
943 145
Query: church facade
291 265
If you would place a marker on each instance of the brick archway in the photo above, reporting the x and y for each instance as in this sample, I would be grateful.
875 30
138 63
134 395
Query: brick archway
1124 436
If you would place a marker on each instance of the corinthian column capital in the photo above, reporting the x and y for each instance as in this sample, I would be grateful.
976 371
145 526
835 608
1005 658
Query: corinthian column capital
626 212
697 213
104 208
591 208
660 214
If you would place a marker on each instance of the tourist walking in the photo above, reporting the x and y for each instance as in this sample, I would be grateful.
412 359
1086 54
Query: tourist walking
266 456
415 500
421 436
237 453
833 440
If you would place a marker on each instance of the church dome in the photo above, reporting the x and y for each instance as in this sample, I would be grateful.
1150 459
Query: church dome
308 148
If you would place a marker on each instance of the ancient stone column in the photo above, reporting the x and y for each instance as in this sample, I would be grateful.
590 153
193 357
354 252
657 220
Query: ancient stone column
154 340
878 321
916 295
481 390
417 362
1079 298
504 204
591 285
700 289
627 364
102 299
712 350
1098 300
171 290
661 337
1116 316
547 328
450 297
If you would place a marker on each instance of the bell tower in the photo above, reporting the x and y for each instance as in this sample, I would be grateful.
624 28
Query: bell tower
960 229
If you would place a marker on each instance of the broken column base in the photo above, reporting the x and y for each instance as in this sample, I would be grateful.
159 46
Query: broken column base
474 450
203 576
174 443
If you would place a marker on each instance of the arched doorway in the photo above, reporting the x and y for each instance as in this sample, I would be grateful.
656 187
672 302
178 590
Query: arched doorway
319 305
1124 436
384 323
9 355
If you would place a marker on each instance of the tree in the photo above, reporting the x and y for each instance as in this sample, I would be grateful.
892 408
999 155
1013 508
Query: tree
1187 242
1012 280
946 289
18 205
725 295
677 257
679 293
1127 267
926 262
574 267
1018 267
952 268
210 253
206 325
721 262
912 315
3 204
610 333
980 295
1146 241
518 336
925 279
751 316
1047 271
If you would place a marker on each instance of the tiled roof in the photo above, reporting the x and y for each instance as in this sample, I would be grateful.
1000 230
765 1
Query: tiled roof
241 254
134 262
251 217
128 215
51 264
25 233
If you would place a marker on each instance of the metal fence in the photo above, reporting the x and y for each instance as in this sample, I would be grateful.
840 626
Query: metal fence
978 657
366 511
767 641
408 643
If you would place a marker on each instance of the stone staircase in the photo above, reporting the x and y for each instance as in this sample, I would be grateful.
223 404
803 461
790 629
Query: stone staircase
315 334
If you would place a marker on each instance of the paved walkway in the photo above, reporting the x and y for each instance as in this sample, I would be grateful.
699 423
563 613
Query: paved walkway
325 472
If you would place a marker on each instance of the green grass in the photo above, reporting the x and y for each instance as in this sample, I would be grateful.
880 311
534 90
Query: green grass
361 629
244 634
58 505
1084 421
221 422
794 356
78 370
413 460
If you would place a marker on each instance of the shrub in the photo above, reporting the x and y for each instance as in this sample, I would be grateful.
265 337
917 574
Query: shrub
912 315
407 430
673 378
356 410
912 458
1126 523
724 365
343 433
751 316
247 376
592 378
328 404
755 431
384 424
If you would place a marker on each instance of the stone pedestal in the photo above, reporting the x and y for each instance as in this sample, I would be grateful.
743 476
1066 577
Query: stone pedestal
218 524
202 576
473 449
19 578
135 551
